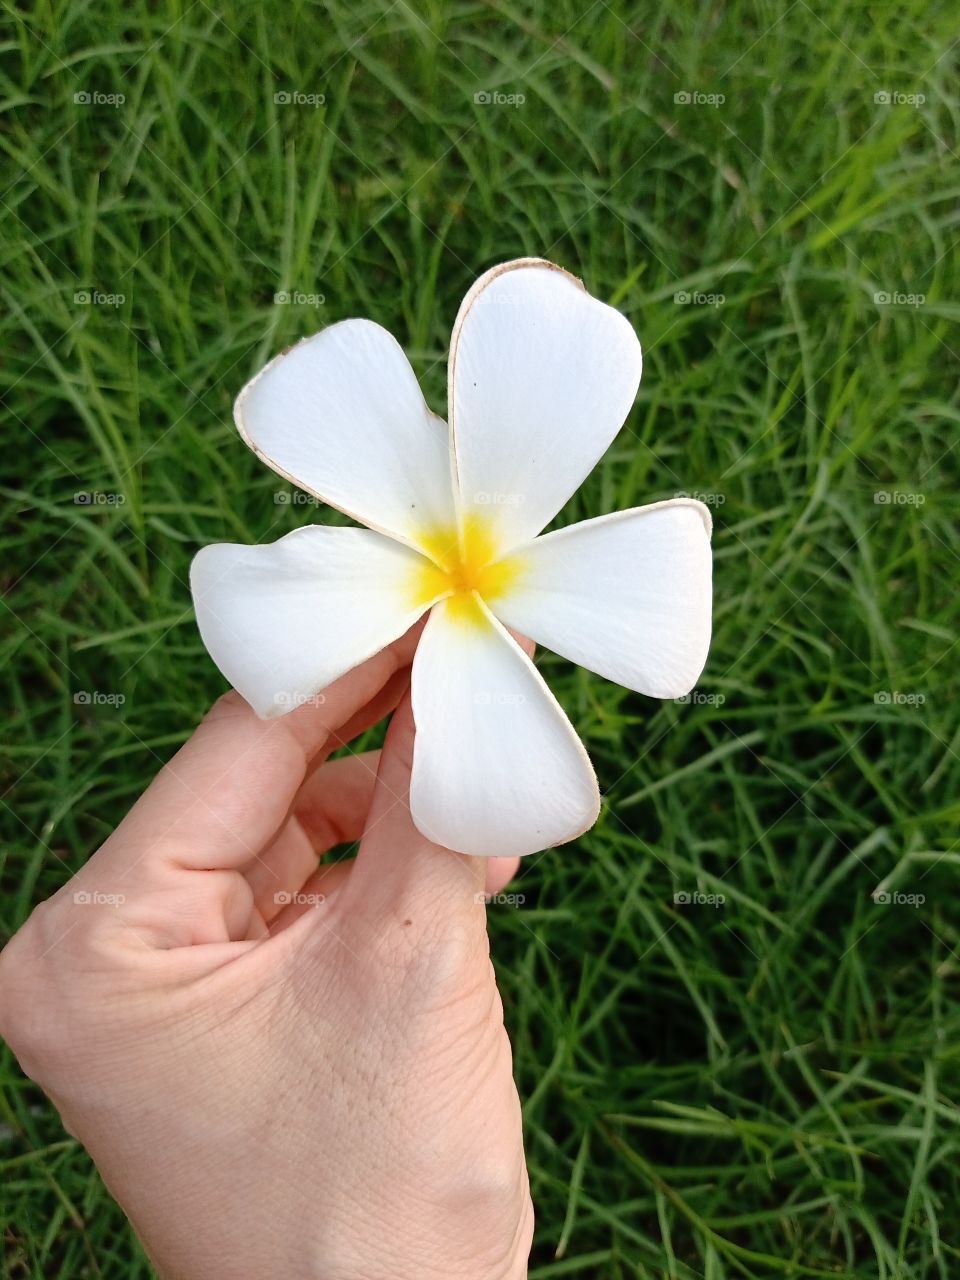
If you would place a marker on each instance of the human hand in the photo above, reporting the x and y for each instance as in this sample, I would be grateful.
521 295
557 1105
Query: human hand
281 1070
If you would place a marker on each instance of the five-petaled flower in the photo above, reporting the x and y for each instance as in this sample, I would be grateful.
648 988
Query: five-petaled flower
541 378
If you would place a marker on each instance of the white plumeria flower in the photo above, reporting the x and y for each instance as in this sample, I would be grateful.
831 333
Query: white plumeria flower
541 377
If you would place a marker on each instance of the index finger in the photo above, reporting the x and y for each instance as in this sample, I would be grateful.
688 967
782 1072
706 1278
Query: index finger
229 789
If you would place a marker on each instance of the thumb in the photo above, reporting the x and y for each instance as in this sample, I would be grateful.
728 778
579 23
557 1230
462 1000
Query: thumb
398 870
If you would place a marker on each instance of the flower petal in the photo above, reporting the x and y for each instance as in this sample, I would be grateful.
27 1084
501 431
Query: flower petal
342 415
284 620
626 595
541 378
497 768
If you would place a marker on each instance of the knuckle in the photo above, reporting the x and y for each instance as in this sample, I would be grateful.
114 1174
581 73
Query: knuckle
27 1021
453 951
439 955
480 1184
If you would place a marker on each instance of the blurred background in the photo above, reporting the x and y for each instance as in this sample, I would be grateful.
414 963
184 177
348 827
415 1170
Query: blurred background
734 1003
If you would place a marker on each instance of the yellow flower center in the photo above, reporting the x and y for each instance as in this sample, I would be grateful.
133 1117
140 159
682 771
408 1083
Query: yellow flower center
463 566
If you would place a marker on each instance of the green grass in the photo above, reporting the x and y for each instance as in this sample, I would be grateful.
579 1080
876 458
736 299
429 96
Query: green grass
760 1088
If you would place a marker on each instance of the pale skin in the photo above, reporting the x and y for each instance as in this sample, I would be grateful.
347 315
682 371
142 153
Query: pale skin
270 1084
